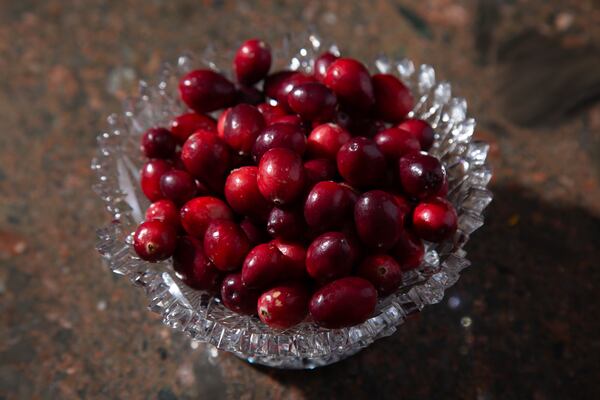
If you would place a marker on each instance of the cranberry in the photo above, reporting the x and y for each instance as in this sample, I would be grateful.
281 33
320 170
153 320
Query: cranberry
284 306
394 143
150 176
435 220
221 123
184 125
328 206
280 84
319 169
242 125
178 186
359 125
295 255
249 95
329 257
158 143
281 176
252 61
285 223
255 234
271 112
206 157
205 90
361 163
393 100
292 119
238 297
312 101
383 272
325 141
350 81
421 175
195 268
176 161
408 251
279 135
155 240
421 129
322 63
165 211
226 244
263 266
379 219
199 212
344 302
242 194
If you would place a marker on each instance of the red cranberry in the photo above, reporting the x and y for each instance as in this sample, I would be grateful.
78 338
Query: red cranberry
435 220
313 101
325 141
295 255
322 63
255 234
328 206
271 112
292 119
252 61
150 176
329 257
284 306
361 163
421 175
205 90
280 84
238 297
155 240
184 125
165 211
176 161
344 302
221 123
393 100
421 129
279 135
281 176
158 143
199 212
394 143
350 81
249 95
242 125
263 266
194 267
206 157
408 251
226 244
178 186
319 169
379 219
383 272
242 194
286 224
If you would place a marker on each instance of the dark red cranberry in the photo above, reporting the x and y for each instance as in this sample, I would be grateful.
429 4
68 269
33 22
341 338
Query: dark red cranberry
178 186
378 219
295 255
286 224
421 175
361 163
328 206
394 143
249 95
383 272
319 169
238 297
281 176
184 125
242 194
199 212
263 266
435 220
252 61
351 82
359 125
393 100
155 240
255 234
201 189
421 129
344 302
405 205
221 123
271 112
280 84
284 306
279 135
163 210
408 251
205 90
242 126
194 267
207 157
325 140
176 161
329 257
226 244
158 143
150 176
312 101
322 63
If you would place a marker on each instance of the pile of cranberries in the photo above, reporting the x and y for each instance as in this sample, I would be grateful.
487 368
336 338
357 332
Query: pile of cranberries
309 195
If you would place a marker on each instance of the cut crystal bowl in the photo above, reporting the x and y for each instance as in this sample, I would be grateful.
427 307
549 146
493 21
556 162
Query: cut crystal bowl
202 316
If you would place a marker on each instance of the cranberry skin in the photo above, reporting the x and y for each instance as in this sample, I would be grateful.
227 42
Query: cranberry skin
165 211
312 101
178 186
435 220
361 163
205 90
393 100
263 266
283 306
238 297
254 233
280 84
242 194
150 176
322 63
344 302
394 143
350 81
408 251
184 125
285 223
383 272
325 140
329 257
421 175
158 143
378 219
421 129
271 112
279 135
328 205
252 61
221 123
292 119
320 169
199 212
295 254
155 240
242 126
226 244
206 157
192 264
281 176
249 95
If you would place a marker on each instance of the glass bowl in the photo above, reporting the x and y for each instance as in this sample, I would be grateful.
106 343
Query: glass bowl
202 316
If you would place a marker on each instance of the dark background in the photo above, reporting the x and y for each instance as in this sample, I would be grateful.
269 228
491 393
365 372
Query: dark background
527 325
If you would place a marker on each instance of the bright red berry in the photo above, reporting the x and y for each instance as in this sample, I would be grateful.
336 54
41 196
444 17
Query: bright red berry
328 206
150 176
199 212
421 175
242 194
321 64
435 220
226 244
205 90
312 101
195 268
393 100
280 84
158 143
207 157
270 112
395 142
178 186
263 266
286 224
295 255
238 297
221 123
421 130
325 140
279 135
329 257
361 163
383 272
165 211
378 219
184 125
252 61
242 126
155 240
351 82
284 306
281 176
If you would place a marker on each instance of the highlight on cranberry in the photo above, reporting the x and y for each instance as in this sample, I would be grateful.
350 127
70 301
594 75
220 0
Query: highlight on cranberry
293 197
